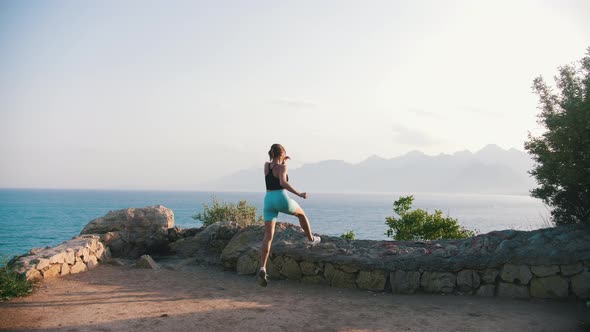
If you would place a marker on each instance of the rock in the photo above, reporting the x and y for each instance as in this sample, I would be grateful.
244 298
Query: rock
513 291
517 274
244 242
549 287
43 263
571 269
329 271
114 241
99 252
405 282
174 234
581 285
134 231
468 280
53 271
343 279
33 275
273 266
290 269
78 267
348 268
70 256
371 280
545 270
438 282
146 262
486 290
489 276
84 253
59 257
35 251
92 262
189 232
308 268
210 242
65 269
247 265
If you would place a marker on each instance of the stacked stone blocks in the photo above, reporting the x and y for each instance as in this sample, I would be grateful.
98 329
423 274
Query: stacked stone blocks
74 256
509 280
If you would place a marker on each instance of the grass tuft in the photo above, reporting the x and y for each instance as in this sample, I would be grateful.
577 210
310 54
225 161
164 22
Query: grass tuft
12 284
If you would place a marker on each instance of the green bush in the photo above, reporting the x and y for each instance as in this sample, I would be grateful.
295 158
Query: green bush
562 151
12 284
420 225
348 235
242 213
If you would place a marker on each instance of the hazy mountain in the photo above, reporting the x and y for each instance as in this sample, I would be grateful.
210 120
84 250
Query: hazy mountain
489 170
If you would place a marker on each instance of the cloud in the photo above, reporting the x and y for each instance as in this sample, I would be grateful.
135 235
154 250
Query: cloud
294 103
412 137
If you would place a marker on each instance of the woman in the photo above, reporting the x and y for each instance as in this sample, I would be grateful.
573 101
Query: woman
277 200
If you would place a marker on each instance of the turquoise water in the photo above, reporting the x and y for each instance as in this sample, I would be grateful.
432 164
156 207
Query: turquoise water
38 218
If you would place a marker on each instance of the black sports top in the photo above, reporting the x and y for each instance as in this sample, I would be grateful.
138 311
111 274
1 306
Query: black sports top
272 182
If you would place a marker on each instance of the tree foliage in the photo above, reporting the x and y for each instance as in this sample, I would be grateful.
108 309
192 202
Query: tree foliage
562 152
420 225
242 213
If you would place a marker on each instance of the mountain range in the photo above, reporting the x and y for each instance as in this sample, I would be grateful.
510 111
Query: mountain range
491 170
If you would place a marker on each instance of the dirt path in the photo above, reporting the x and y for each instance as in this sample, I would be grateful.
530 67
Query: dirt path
114 298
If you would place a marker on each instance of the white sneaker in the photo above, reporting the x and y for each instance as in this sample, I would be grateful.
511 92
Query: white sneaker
262 277
316 240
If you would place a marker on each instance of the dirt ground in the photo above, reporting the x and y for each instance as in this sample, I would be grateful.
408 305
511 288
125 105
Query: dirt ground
198 298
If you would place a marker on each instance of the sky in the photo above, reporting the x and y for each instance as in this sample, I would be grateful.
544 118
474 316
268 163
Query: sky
166 95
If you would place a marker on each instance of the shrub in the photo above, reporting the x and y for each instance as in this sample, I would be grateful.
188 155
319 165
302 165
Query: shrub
242 213
420 225
562 152
348 235
12 284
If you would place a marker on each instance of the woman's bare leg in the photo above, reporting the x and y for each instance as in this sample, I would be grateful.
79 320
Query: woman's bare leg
269 232
304 222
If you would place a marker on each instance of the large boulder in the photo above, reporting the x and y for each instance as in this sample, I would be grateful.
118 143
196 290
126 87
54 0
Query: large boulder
133 232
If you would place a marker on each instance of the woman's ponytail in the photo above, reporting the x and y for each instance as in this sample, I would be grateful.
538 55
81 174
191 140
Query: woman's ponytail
275 151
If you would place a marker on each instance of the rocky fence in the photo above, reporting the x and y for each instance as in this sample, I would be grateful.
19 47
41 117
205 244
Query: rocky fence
545 263
74 256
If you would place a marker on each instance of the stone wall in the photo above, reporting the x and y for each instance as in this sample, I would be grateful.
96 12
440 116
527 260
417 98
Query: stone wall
516 281
74 256
548 263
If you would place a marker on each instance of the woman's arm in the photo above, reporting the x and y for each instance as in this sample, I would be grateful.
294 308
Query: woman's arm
285 184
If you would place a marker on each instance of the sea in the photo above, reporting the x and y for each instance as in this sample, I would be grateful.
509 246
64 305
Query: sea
33 218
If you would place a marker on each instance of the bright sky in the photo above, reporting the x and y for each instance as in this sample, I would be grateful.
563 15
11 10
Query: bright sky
168 94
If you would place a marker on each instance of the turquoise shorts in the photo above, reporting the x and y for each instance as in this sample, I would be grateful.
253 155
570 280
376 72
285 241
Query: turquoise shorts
277 201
